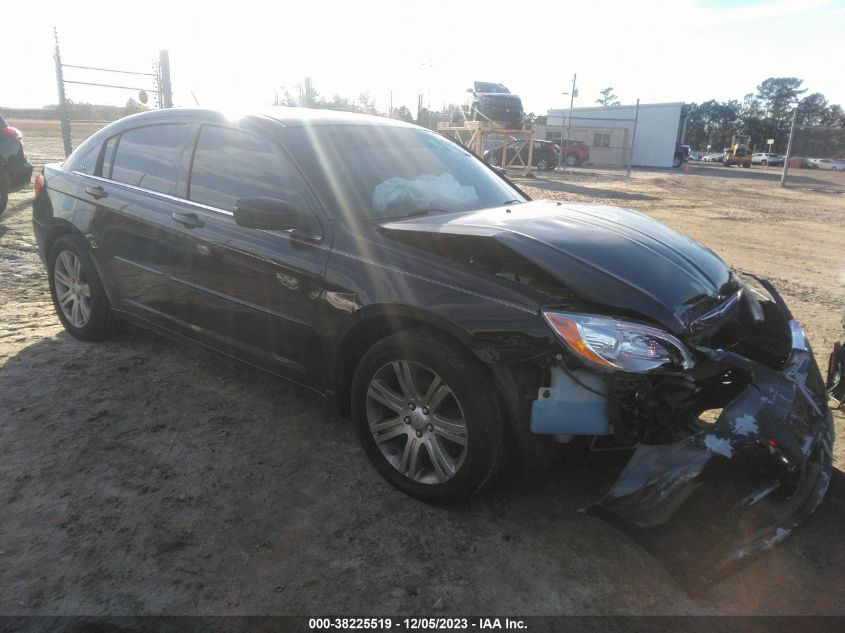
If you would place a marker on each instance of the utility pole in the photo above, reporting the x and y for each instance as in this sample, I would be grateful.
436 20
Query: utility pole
164 70
60 85
569 128
788 149
633 138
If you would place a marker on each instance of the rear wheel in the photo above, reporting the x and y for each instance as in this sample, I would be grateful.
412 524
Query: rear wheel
544 164
676 161
493 159
4 190
571 160
427 416
77 292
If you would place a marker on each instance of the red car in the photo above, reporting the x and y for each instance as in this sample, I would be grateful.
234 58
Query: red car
575 152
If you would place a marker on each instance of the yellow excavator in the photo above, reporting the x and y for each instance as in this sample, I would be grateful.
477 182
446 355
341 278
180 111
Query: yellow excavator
739 153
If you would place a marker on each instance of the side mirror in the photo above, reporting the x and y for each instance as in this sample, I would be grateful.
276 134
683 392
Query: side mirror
267 213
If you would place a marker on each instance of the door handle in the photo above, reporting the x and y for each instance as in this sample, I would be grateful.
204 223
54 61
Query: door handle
96 192
188 219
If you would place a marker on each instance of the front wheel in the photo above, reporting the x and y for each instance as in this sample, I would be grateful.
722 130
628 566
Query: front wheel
427 416
544 165
676 162
77 292
571 160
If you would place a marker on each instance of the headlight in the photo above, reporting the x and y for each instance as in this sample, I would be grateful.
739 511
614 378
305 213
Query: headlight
618 344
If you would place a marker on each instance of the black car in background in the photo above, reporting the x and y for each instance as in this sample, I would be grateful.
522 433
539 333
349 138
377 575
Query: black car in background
15 169
682 155
545 155
456 321
493 102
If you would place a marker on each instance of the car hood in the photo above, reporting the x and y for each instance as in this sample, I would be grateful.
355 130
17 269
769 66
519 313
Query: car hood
605 255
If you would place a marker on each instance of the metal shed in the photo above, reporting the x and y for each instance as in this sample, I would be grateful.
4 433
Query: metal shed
609 131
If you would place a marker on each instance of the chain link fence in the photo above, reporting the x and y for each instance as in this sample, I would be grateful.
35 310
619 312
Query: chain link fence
818 147
42 133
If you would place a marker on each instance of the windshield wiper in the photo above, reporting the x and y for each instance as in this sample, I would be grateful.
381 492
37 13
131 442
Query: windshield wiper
415 214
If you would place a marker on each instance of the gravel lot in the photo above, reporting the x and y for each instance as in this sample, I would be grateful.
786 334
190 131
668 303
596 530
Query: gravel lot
140 476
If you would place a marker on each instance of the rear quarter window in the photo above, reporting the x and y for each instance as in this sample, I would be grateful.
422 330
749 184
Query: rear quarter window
148 157
84 159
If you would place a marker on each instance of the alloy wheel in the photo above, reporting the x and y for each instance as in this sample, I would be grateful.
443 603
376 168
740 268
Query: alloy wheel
72 289
416 421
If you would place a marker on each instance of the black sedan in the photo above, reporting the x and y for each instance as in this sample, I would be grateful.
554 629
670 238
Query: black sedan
458 323
15 169
544 156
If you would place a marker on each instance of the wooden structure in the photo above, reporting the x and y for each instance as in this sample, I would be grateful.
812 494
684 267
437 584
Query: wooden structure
475 136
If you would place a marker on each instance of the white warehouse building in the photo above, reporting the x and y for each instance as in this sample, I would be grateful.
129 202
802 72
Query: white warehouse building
609 132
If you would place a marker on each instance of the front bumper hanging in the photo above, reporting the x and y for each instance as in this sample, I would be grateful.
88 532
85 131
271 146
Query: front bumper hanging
706 504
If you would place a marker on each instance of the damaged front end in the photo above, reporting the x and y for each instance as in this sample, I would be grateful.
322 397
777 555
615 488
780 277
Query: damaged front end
703 493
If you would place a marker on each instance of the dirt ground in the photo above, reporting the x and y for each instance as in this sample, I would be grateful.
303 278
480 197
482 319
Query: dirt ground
139 476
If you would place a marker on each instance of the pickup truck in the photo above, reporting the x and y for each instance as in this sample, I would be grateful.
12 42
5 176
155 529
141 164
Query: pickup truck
494 102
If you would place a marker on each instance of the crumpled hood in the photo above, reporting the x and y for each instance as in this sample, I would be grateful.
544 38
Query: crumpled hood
606 255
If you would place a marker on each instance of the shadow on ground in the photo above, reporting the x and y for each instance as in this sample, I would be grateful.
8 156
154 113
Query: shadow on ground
139 476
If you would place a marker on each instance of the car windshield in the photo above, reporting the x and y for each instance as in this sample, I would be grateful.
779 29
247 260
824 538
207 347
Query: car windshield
386 172
486 86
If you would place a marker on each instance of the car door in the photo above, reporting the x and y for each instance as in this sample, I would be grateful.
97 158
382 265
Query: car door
252 293
142 172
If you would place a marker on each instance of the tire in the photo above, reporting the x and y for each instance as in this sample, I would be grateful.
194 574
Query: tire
676 162
86 313
572 160
544 165
765 163
4 190
404 439
493 159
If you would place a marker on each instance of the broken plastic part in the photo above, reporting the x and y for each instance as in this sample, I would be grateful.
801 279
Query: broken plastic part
705 504
571 406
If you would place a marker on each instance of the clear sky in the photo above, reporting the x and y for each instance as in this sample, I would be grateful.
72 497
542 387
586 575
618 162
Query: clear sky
236 53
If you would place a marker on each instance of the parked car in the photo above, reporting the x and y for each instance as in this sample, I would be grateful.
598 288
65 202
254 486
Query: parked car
827 163
494 102
765 158
544 156
456 321
15 169
682 154
713 158
574 152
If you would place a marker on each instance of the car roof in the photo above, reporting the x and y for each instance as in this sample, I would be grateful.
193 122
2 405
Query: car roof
287 116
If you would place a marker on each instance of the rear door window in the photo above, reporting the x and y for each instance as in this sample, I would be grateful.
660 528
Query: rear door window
148 157
230 164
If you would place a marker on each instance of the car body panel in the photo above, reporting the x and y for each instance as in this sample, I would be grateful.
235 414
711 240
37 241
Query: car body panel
605 255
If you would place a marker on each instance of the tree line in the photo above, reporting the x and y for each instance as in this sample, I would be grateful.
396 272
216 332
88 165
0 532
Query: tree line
767 113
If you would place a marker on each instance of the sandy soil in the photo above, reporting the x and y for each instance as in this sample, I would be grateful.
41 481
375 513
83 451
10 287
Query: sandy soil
141 476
